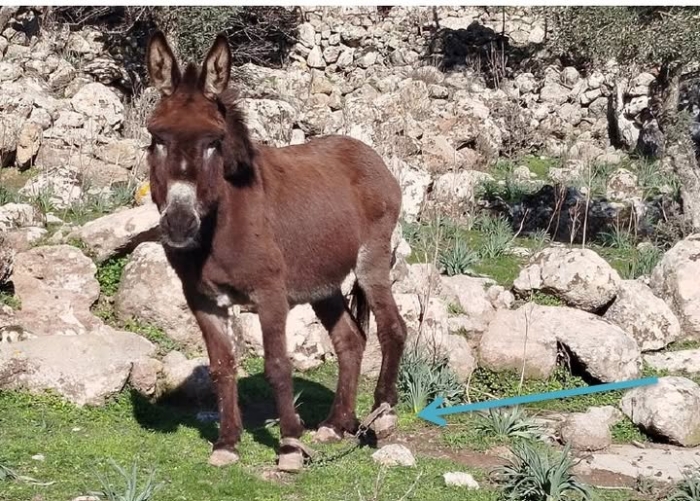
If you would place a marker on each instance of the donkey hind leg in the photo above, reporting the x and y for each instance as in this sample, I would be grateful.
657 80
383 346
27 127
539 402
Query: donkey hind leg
349 344
374 277
273 312
213 322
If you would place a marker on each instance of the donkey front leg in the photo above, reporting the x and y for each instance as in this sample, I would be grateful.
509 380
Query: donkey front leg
213 322
273 310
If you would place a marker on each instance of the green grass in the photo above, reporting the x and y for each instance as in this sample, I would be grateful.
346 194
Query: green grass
625 431
165 438
540 166
10 300
109 274
75 442
489 245
486 385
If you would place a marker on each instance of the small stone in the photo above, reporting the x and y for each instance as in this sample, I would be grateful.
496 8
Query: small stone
460 479
394 455
38 457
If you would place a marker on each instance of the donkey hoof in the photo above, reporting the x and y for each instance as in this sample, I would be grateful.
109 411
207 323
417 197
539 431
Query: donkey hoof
223 457
290 462
385 425
326 434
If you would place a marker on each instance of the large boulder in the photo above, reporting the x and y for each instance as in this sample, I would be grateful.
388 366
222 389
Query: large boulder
85 369
675 280
527 338
580 277
644 316
516 341
57 287
120 232
150 291
668 409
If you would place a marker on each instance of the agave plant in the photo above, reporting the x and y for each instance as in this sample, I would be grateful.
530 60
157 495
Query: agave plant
539 474
509 423
424 376
128 490
688 489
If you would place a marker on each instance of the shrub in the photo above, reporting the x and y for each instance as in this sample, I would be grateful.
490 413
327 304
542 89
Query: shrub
539 474
261 35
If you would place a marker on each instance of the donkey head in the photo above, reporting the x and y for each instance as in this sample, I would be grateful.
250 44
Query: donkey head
188 153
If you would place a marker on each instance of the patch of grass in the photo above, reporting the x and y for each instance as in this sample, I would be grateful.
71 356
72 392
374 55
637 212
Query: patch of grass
689 344
154 334
544 299
631 261
10 300
95 205
540 166
488 385
654 181
8 195
540 474
109 274
455 309
625 431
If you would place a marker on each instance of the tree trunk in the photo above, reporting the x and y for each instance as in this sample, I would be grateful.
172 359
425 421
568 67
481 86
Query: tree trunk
679 149
681 157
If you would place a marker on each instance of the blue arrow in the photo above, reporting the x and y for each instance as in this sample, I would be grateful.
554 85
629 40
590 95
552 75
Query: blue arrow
433 413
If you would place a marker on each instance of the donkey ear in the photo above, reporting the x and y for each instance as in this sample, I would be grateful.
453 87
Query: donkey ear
162 66
216 69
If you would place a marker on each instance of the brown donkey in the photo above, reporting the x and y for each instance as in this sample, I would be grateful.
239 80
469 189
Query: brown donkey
270 228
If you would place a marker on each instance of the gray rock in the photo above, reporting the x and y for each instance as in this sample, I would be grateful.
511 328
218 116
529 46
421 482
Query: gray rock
674 280
460 479
189 378
119 232
151 292
590 430
57 287
580 277
676 362
98 102
394 455
668 408
645 317
85 369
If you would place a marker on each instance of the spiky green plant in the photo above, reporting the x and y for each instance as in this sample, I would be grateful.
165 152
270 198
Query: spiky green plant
687 489
540 474
508 423
497 236
424 376
458 258
127 489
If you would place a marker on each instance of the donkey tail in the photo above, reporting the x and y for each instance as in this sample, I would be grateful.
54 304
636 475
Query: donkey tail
359 308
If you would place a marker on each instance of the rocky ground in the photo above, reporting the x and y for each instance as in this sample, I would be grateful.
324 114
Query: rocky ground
499 264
